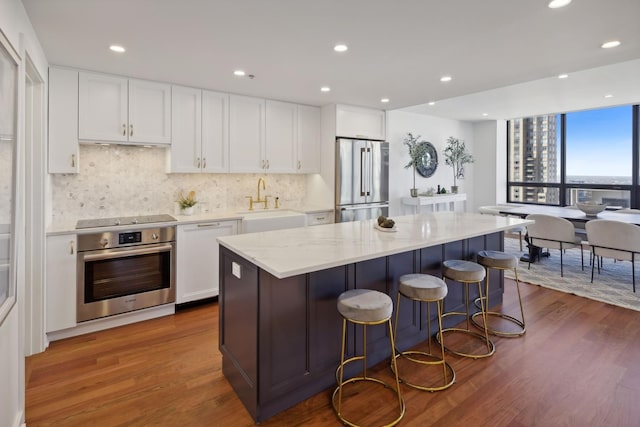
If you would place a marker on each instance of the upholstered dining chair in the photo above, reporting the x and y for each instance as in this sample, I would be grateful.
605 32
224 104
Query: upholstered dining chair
552 232
614 239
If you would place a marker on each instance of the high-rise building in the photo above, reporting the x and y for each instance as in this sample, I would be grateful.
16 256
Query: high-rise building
533 152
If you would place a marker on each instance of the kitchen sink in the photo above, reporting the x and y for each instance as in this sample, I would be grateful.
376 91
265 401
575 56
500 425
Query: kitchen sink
271 219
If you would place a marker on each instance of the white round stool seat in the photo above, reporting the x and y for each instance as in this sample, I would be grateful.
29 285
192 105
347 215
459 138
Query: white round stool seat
497 259
463 271
423 287
365 305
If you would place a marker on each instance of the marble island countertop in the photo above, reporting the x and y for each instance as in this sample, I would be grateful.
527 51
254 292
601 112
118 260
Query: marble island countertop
285 253
68 225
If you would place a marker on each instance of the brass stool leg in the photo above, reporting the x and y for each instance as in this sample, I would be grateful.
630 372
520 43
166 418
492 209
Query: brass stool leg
484 338
517 322
408 355
337 406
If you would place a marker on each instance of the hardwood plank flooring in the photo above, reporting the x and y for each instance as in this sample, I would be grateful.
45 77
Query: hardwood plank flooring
577 365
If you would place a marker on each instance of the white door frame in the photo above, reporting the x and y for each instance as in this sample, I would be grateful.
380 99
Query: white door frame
35 173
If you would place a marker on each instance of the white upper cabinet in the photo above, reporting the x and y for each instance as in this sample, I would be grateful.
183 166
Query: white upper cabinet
215 132
358 122
308 139
186 130
246 134
281 131
121 110
200 131
63 121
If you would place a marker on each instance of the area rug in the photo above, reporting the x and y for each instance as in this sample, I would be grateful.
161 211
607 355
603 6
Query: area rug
613 285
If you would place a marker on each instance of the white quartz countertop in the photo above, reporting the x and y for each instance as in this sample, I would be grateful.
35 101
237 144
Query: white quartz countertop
69 225
286 253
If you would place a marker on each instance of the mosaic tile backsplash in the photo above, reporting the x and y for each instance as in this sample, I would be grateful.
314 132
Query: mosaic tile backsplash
116 180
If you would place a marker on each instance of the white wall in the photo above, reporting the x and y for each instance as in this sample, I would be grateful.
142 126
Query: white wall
435 130
490 138
18 30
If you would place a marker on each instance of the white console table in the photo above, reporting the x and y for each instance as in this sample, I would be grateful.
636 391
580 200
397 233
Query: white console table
435 201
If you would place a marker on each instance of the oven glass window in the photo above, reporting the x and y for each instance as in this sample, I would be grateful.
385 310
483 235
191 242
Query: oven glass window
117 277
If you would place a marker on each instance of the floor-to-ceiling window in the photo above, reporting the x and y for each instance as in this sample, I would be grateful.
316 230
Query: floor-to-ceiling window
562 159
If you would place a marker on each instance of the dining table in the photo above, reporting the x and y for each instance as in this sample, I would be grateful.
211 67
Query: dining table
571 213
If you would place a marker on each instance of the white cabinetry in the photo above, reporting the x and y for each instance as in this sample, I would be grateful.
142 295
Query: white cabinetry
199 131
63 121
357 122
61 282
273 136
308 139
281 137
318 218
123 110
197 259
246 134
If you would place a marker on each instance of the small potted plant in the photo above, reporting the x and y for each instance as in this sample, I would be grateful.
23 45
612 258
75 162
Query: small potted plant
417 150
187 202
456 156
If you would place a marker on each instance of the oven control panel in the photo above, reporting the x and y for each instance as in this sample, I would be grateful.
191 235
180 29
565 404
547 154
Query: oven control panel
129 238
126 238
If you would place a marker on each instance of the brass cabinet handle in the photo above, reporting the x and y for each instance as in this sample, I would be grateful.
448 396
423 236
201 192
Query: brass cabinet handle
130 130
71 248
124 129
215 224
73 160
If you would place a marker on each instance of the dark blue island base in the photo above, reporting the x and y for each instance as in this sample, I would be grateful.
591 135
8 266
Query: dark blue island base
280 338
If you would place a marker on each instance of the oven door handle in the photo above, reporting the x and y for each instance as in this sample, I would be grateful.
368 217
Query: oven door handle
127 253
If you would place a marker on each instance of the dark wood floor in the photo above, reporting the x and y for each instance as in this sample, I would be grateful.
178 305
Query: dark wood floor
577 365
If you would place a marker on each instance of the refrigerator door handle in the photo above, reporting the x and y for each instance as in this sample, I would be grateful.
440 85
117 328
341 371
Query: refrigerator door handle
363 173
359 207
369 167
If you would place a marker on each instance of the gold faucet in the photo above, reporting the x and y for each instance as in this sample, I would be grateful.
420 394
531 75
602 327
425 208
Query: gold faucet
259 199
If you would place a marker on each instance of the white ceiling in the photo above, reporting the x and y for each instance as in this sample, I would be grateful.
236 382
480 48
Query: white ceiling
397 49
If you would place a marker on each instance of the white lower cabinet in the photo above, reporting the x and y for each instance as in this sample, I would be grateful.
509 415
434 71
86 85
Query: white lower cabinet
318 218
197 259
61 282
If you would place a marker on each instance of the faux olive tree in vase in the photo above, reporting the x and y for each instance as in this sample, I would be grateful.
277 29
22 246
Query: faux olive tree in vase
417 150
456 156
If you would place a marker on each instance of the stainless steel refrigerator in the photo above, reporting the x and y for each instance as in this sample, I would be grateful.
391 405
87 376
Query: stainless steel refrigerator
362 179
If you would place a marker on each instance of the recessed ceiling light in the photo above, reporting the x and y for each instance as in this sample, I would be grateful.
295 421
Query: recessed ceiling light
384 100
325 89
485 114
608 95
341 48
432 103
445 79
609 45
239 73
563 76
117 48
554 4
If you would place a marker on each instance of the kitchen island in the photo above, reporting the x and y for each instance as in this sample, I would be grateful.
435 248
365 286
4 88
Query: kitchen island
279 326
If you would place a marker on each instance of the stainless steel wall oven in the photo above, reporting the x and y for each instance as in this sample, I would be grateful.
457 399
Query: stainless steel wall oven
122 271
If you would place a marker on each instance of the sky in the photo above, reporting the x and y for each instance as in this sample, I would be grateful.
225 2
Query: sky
599 142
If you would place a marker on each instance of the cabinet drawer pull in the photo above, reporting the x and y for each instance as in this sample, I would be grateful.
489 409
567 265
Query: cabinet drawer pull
204 163
130 130
198 162
319 218
124 129
213 224
73 160
71 247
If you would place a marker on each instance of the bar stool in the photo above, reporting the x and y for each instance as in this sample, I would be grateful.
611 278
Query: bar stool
425 288
364 307
467 272
499 261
